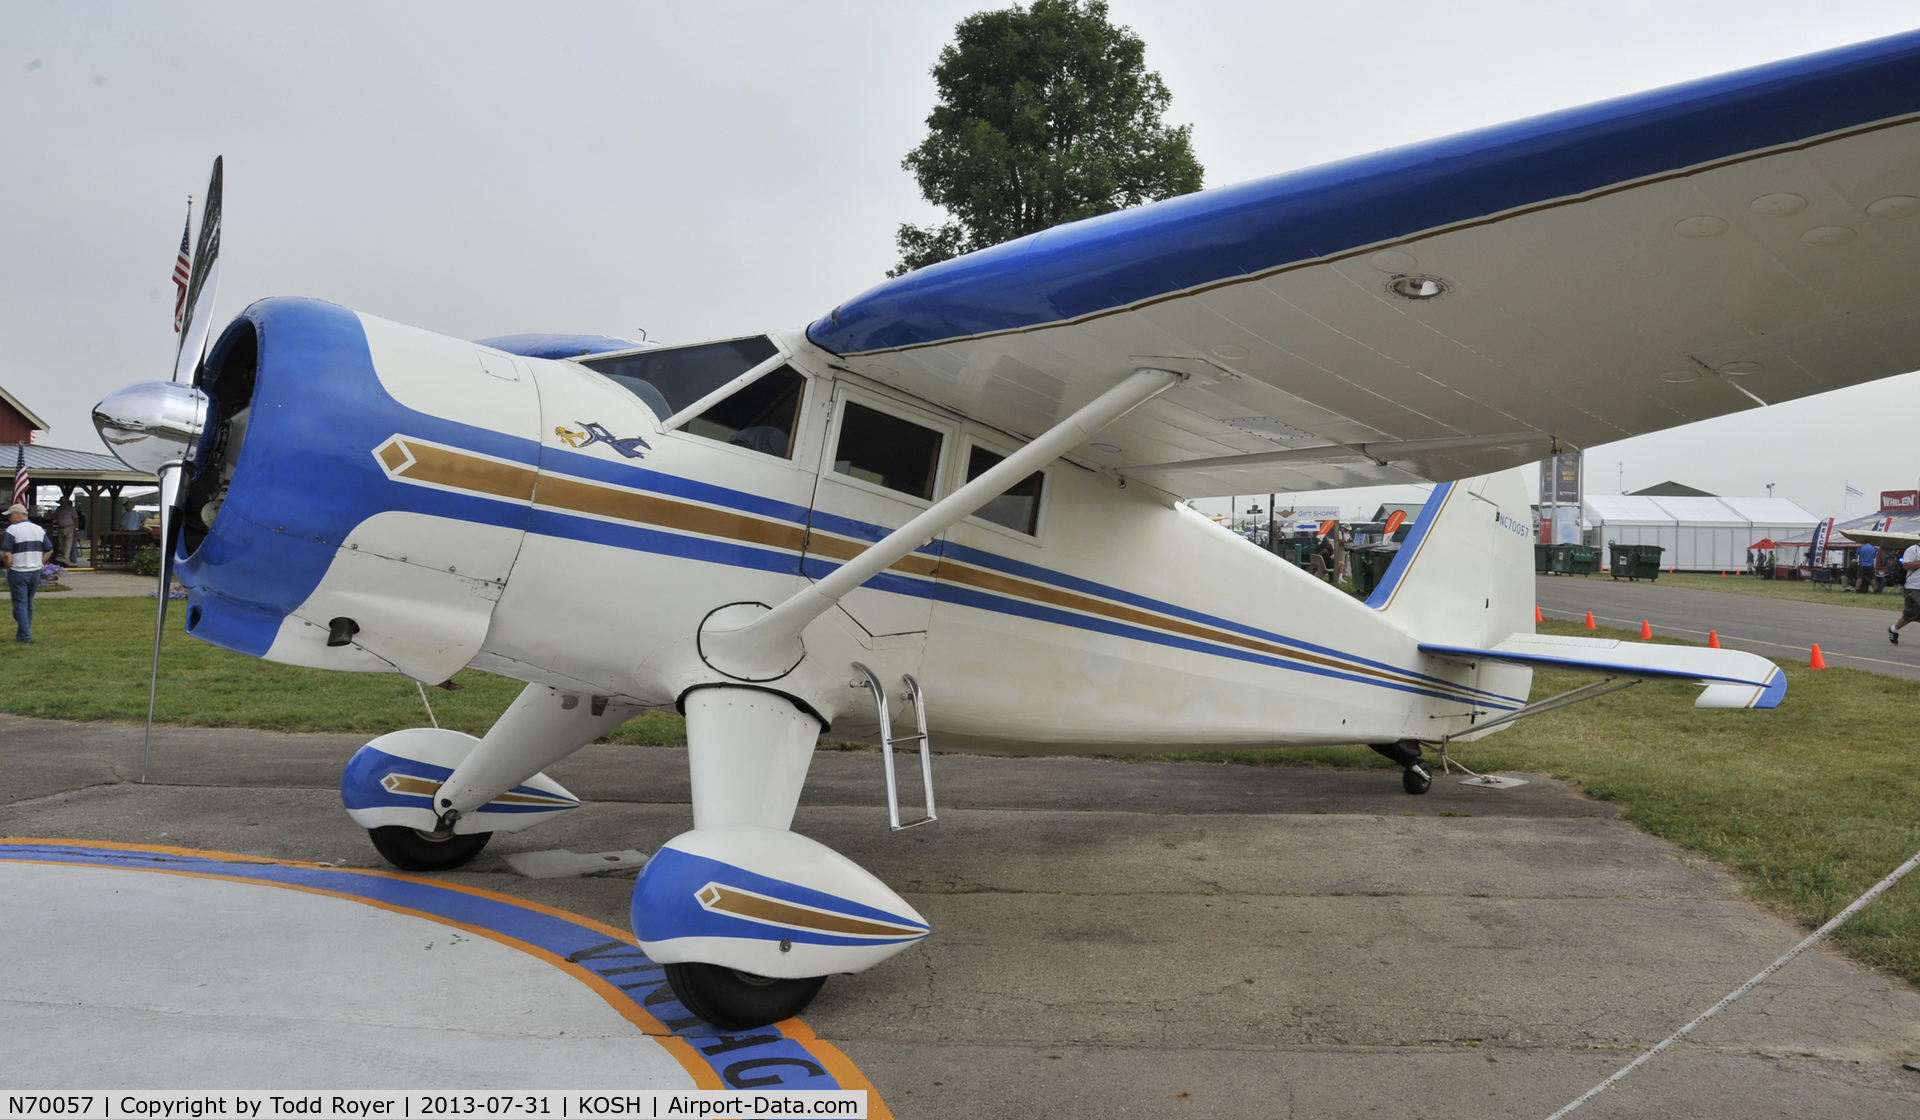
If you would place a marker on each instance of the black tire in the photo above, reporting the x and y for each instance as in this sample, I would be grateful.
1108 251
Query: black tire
1417 778
736 1001
409 849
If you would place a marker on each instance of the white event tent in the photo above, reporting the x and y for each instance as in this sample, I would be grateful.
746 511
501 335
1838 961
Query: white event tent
1698 534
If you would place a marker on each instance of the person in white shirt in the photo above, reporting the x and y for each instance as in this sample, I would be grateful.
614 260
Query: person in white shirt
23 551
1910 561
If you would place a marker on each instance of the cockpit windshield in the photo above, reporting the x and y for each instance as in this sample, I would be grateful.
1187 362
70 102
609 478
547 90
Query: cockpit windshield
671 378
761 415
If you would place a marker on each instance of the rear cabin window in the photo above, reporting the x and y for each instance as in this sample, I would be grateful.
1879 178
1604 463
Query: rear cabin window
1018 507
887 451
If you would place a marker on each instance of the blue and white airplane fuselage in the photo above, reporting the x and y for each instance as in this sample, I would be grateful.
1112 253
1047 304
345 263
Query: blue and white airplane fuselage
961 493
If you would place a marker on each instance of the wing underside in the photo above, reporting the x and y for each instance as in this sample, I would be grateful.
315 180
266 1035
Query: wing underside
1588 276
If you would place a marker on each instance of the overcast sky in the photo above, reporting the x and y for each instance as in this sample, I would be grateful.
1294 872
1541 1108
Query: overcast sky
712 169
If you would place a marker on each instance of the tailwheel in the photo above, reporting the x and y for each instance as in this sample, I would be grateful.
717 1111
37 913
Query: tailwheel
410 849
736 1001
1416 778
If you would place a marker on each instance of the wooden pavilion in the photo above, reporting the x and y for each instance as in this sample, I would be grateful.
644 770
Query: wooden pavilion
97 484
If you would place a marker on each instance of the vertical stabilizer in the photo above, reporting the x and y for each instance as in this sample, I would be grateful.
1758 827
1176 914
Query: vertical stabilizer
1465 572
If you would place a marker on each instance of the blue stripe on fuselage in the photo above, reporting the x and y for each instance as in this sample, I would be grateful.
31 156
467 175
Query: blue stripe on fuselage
306 479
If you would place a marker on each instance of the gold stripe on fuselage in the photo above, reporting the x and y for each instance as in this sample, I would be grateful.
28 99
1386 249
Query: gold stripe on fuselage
454 469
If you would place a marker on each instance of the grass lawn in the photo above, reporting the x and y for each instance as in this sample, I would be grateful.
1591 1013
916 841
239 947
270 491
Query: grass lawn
1822 593
89 660
1809 804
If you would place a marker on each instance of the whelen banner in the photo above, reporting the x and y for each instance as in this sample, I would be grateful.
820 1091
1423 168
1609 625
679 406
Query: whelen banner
1900 501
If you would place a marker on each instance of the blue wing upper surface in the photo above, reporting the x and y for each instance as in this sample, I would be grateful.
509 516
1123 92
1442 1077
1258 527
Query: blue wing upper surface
1607 270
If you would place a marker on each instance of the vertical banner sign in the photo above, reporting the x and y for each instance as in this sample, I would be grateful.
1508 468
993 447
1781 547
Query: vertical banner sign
1817 555
1560 498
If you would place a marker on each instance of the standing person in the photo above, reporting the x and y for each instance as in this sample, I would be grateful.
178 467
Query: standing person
1867 555
23 551
1910 561
65 520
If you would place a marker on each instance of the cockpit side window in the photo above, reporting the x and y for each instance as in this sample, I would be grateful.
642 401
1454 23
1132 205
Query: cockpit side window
671 378
762 416
1017 507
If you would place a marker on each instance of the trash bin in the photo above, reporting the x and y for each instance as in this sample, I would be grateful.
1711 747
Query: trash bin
1542 554
1636 561
1295 550
1569 560
1369 566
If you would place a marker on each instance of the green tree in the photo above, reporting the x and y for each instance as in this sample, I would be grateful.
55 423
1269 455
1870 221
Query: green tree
1046 115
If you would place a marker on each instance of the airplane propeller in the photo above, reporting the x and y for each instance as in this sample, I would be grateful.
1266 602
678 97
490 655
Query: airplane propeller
156 425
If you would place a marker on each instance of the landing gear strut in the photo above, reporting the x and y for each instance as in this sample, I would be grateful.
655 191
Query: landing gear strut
1415 778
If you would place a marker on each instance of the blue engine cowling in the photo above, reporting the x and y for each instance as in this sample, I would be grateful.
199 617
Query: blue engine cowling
300 543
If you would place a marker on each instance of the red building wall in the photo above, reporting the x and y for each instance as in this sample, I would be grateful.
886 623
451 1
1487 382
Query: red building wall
14 427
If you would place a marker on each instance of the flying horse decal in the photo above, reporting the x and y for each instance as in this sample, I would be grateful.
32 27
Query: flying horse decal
961 490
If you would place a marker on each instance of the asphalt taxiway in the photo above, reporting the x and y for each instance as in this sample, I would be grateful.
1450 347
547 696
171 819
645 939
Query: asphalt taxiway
1110 939
1779 629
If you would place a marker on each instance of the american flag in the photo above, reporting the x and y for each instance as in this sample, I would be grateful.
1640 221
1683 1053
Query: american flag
182 266
20 486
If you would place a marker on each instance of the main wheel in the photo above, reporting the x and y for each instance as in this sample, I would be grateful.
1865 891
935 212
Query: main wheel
736 1001
409 849
1416 778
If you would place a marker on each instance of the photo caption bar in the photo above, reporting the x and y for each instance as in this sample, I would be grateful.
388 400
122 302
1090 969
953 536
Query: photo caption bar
545 1104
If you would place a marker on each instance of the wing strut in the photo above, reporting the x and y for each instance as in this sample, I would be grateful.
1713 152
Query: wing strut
750 643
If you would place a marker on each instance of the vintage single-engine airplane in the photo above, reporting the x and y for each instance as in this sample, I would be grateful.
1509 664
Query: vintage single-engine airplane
961 492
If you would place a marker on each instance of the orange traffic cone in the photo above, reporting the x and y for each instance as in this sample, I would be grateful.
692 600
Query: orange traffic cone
1713 639
1590 624
1817 661
1646 630
1723 575
1537 616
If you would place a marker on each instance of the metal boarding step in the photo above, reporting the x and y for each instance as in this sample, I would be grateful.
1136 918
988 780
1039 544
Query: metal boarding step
888 740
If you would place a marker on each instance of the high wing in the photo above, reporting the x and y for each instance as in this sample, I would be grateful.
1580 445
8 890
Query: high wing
1901 541
1587 275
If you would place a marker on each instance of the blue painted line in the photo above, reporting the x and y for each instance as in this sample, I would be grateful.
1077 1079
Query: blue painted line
762 1059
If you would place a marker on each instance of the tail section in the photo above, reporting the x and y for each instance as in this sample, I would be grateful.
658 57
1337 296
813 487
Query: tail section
1464 575
1462 585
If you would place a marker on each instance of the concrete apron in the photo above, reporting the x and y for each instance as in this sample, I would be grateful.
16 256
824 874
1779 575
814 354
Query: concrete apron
1110 939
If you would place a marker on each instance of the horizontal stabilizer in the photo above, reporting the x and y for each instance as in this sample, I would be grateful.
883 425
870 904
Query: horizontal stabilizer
1733 679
